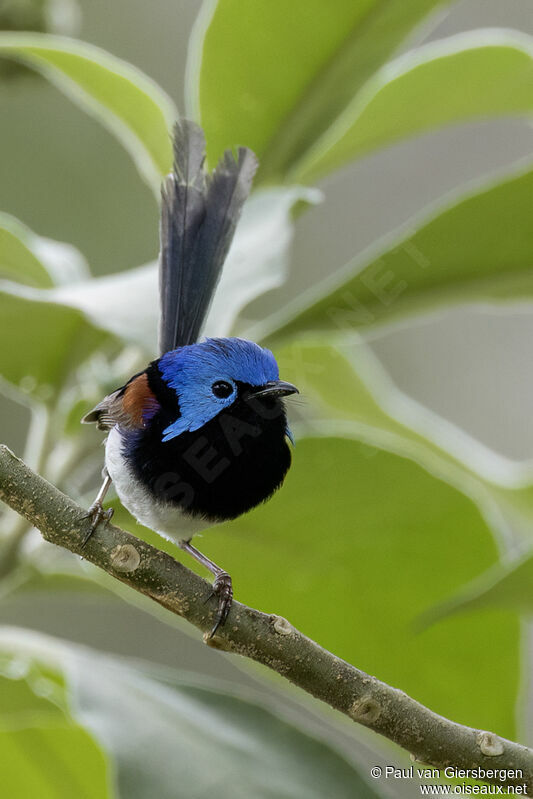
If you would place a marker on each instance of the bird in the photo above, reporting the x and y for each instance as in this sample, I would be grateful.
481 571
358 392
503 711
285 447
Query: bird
200 436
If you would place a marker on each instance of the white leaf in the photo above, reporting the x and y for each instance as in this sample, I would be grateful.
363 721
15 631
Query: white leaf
127 303
258 260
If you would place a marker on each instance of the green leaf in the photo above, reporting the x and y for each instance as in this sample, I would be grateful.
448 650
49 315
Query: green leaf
44 753
506 586
55 762
18 260
161 733
472 75
43 343
34 260
22 706
299 65
355 546
121 97
347 391
476 247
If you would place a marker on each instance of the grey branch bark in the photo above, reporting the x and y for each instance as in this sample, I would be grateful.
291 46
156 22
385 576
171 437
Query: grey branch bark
268 639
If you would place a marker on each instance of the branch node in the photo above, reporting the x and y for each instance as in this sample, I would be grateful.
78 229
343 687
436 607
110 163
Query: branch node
215 642
365 710
281 625
490 744
125 558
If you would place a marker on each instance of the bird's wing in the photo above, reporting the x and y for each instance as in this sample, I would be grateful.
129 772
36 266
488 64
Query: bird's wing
130 407
198 219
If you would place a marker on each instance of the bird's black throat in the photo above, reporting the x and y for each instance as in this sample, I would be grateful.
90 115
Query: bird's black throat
227 467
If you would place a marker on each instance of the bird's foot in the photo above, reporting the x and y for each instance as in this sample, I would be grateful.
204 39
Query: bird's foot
223 589
96 514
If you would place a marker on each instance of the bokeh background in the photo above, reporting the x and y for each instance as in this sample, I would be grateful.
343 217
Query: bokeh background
84 190
68 179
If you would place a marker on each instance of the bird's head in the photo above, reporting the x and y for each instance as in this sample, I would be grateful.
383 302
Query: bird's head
218 374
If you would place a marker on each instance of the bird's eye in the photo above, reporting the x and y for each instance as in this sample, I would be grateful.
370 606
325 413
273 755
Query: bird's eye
222 389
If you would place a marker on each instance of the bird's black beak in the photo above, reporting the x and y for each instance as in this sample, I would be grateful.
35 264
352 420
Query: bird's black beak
274 388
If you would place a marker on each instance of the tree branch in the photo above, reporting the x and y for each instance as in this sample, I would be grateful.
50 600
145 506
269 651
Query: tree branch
268 639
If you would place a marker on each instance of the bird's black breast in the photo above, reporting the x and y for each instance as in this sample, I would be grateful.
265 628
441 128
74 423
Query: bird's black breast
227 467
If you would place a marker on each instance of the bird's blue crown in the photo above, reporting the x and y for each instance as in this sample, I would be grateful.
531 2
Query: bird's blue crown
193 371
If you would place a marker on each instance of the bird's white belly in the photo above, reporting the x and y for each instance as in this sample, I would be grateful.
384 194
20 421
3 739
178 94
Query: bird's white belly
168 521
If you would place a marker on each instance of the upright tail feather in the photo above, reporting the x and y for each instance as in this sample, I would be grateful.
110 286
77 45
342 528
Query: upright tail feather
198 219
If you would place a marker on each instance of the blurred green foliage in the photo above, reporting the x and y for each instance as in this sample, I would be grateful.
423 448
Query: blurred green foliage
44 16
388 512
57 695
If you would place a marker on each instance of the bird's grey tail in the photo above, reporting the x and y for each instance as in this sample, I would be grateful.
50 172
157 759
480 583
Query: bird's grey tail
198 218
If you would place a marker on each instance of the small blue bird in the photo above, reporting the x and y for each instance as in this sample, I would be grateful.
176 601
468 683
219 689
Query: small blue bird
201 435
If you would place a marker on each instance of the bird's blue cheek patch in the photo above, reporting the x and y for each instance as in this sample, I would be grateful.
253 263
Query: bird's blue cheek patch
175 429
195 411
182 425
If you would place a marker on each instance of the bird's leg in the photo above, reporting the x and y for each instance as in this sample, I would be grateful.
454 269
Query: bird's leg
96 512
222 587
